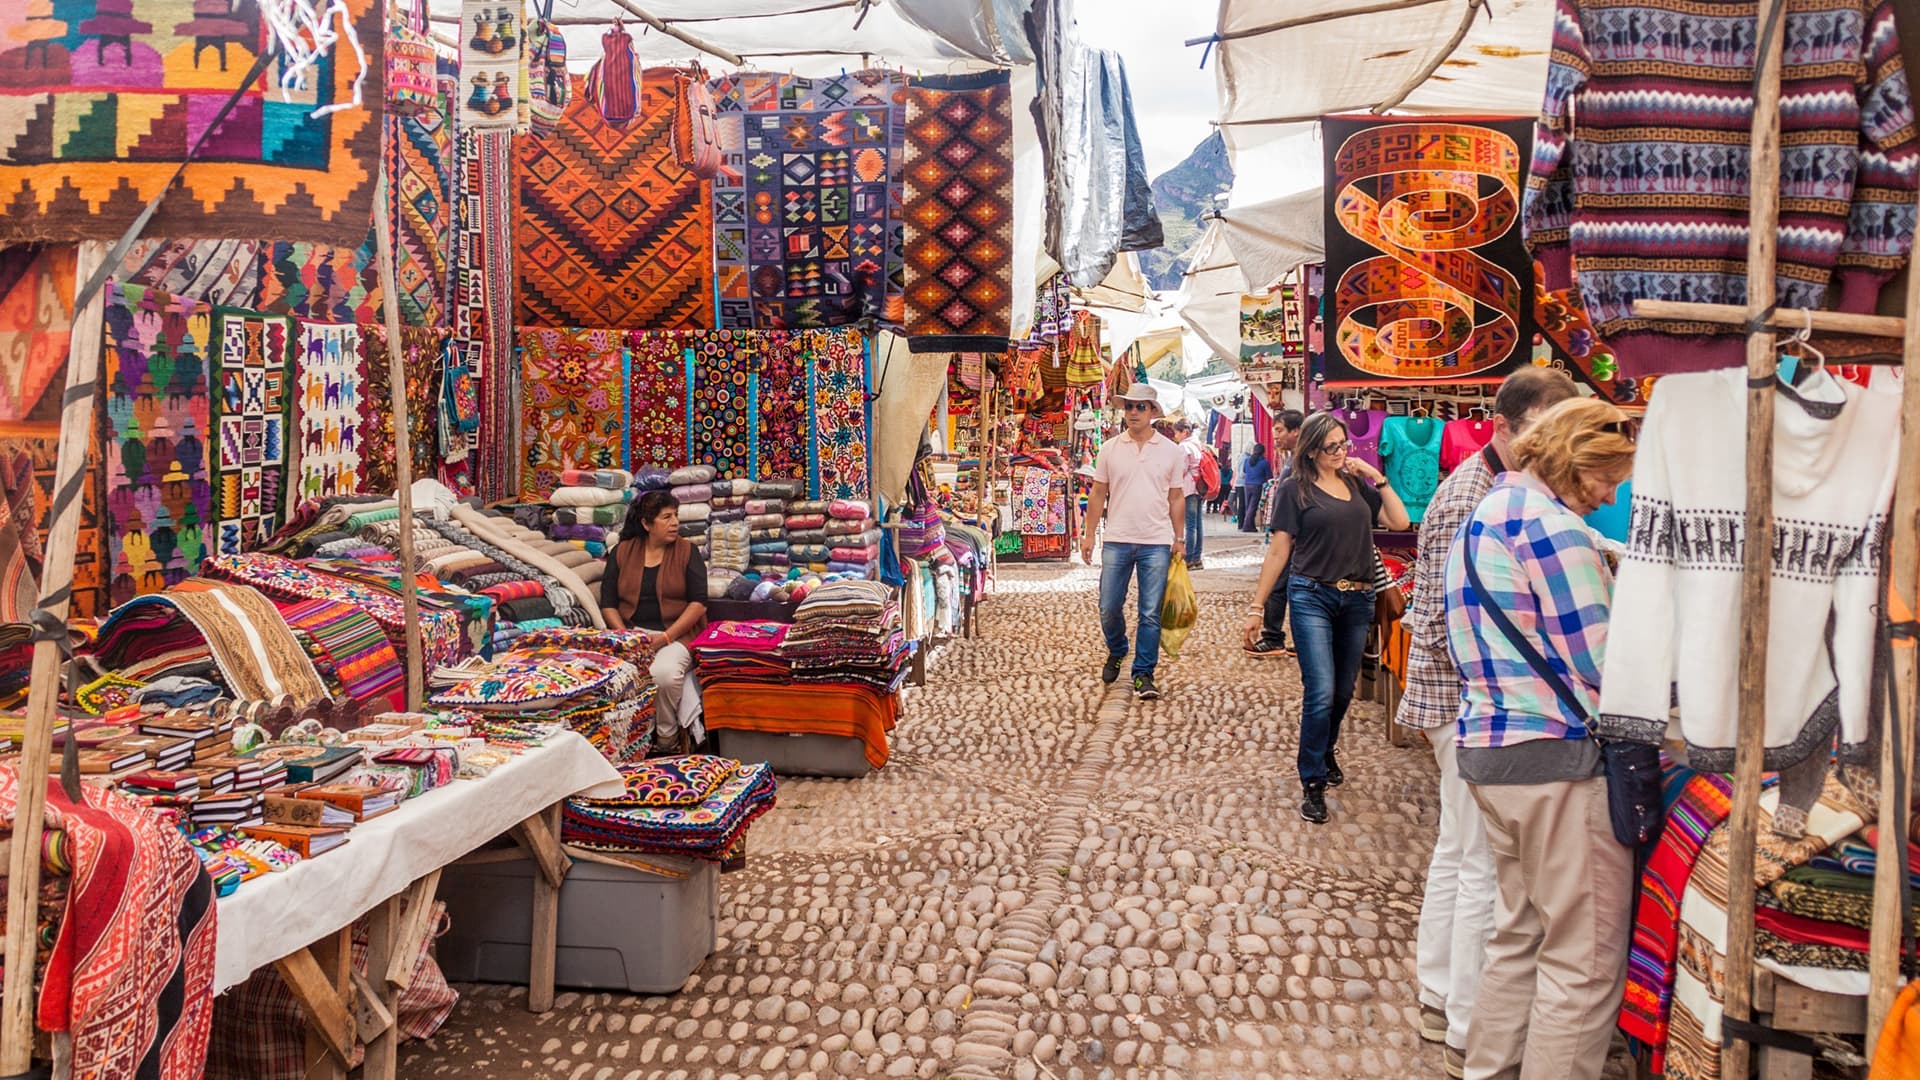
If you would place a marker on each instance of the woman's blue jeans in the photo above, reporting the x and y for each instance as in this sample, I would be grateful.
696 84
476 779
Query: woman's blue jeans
1330 634
1196 526
1149 563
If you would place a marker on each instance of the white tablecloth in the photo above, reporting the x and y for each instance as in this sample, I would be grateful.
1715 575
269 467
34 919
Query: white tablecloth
277 914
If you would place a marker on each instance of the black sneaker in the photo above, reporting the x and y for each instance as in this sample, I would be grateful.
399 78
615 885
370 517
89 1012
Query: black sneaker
1144 689
1110 671
1313 806
1334 776
1266 649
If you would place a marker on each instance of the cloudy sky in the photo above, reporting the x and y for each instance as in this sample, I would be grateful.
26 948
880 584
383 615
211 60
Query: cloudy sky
1172 96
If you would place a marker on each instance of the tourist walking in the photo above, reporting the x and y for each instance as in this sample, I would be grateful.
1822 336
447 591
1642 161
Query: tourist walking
1272 638
1527 598
1255 471
656 581
1194 517
1457 914
1323 521
1138 492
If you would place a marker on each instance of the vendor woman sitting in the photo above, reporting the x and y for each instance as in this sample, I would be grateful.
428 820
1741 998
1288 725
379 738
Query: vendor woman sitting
657 582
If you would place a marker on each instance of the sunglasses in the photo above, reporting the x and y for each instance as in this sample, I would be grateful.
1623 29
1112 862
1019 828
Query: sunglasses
1139 406
1335 449
1622 428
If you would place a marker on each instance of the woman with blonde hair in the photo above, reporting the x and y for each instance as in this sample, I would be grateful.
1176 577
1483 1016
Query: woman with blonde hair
1527 604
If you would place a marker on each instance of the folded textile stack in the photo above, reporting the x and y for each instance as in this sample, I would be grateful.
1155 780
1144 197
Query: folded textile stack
730 550
696 511
741 652
652 479
767 536
594 693
852 538
694 805
848 631
807 535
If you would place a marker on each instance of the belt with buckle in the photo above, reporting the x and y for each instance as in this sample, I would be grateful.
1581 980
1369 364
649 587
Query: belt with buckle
1348 585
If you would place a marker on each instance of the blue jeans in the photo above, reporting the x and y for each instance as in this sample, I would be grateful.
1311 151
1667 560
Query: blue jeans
1330 634
1196 526
1149 562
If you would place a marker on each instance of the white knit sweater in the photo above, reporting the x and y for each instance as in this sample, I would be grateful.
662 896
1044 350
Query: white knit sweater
1676 605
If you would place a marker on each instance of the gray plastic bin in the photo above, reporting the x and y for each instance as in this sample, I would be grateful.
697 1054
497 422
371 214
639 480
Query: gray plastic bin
619 929
797 753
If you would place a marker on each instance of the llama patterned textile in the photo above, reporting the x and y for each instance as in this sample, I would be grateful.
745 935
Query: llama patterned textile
1652 202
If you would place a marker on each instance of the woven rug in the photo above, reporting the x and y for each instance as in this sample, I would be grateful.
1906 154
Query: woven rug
159 498
328 390
258 656
483 304
104 98
420 195
656 400
806 205
722 409
575 386
837 373
421 349
959 213
252 395
611 230
780 439
35 318
220 272
493 63
322 282
285 579
355 648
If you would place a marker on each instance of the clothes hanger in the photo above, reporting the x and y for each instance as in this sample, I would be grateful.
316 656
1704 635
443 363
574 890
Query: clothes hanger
1802 345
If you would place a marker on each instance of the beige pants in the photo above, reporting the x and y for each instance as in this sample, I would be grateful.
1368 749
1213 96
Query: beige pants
1557 962
676 705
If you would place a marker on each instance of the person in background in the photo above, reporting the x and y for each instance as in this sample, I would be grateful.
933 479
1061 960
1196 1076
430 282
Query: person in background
1255 471
1527 599
1195 520
1224 457
657 582
1323 521
1272 640
1457 914
1137 490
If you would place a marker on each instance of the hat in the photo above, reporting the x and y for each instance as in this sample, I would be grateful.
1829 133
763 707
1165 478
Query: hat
1141 392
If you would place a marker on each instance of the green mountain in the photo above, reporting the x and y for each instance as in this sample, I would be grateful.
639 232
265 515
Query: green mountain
1183 195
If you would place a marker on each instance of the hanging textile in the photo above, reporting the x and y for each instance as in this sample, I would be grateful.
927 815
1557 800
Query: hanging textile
723 420
657 400
330 395
493 72
159 499
419 192
220 272
613 83
611 230
252 399
575 387
420 358
322 282
483 304
35 327
549 86
782 433
1052 313
1085 356
806 214
105 97
839 378
959 212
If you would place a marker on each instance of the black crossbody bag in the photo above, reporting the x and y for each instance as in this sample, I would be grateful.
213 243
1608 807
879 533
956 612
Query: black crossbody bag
1634 803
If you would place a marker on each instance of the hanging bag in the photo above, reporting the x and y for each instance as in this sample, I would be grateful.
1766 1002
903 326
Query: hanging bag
548 84
696 132
412 72
613 86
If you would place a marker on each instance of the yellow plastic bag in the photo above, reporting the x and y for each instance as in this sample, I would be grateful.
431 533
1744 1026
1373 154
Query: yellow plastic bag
1179 610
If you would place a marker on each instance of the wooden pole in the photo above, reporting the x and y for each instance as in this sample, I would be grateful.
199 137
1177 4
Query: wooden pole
43 687
1833 322
1896 743
1474 8
402 446
1763 217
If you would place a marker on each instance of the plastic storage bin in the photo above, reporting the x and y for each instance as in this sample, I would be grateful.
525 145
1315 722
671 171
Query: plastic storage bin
619 929
797 753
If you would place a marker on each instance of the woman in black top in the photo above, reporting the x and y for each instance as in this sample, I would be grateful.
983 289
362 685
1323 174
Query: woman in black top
657 582
1323 520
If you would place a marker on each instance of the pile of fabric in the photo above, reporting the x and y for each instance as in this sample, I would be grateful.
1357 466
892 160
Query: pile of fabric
694 805
741 652
590 505
807 535
693 489
848 632
551 677
853 538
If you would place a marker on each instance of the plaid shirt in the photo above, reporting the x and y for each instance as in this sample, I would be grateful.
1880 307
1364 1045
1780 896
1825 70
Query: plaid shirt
1539 563
1433 688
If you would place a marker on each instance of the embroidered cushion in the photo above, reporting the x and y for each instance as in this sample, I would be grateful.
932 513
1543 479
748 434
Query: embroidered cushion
541 678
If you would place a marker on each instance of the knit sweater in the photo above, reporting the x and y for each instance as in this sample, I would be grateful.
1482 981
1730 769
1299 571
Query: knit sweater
1639 182
1676 605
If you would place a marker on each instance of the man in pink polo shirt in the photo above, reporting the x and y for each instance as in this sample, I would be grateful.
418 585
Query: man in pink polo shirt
1137 488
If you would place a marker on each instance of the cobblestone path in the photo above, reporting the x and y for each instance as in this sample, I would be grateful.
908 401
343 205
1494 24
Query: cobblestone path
1046 881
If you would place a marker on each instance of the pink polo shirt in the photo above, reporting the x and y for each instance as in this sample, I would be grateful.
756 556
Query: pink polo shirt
1138 477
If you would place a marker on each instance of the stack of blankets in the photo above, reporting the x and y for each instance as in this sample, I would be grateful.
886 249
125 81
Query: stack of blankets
590 505
741 652
694 805
549 678
848 631
693 487
852 538
807 535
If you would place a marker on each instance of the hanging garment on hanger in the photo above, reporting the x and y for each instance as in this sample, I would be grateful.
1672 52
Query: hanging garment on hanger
1410 451
1463 439
1676 605
1363 428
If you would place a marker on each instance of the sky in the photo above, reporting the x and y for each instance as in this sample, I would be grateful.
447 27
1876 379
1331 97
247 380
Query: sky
1173 99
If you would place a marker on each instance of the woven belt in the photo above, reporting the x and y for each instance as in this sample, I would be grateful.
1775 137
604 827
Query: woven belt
1347 585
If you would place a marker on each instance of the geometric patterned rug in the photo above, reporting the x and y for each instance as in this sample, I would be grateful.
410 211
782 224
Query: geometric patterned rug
250 383
420 182
959 213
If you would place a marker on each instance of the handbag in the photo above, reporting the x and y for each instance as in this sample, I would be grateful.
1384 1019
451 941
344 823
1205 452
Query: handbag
696 134
1389 601
548 85
1635 807
412 72
613 84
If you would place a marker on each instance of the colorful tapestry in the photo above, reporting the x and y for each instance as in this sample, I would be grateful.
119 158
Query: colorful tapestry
220 272
158 415
420 197
420 357
807 214
781 438
330 405
1428 279
575 386
656 400
35 327
723 421
285 579
252 395
100 100
838 374
1575 346
959 213
482 303
611 230
29 449
493 68
322 282
351 645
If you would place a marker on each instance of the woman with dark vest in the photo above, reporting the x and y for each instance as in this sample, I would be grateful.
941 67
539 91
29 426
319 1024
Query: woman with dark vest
657 582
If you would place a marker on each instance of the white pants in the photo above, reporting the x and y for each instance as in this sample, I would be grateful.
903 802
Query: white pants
1457 916
676 703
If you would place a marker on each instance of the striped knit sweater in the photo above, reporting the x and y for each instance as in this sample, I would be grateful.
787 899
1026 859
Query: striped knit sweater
1638 184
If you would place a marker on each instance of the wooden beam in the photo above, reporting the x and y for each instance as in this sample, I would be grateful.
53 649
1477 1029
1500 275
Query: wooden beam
1832 322
416 922
665 26
1896 742
376 1004
543 844
43 686
1756 578
545 939
402 445
1474 8
1382 8
313 985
